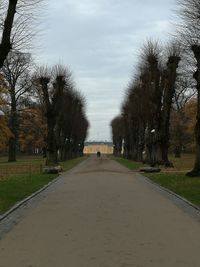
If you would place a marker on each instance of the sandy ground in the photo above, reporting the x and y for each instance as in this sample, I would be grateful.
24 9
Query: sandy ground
103 215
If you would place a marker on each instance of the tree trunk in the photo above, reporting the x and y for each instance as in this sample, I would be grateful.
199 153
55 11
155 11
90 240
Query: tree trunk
5 45
126 147
154 123
61 153
141 142
177 152
12 150
196 168
52 113
148 146
44 152
14 128
169 90
52 157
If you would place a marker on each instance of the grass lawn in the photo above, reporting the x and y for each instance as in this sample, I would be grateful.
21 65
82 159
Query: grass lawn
132 165
23 160
16 187
185 163
20 186
67 165
23 165
179 183
173 179
30 165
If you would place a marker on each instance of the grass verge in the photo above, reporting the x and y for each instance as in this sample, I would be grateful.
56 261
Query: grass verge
17 187
69 164
132 165
179 183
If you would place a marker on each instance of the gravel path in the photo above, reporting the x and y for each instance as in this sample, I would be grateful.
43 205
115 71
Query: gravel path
103 215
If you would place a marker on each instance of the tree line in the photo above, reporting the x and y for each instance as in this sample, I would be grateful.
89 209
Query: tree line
164 88
40 108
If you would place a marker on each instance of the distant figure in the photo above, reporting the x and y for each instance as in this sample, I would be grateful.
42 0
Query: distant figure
98 154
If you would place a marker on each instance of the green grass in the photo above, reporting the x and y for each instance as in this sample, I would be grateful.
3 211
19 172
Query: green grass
16 187
31 164
179 183
23 160
132 165
67 165
23 165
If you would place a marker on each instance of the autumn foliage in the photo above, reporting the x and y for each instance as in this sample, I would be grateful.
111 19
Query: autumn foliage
32 130
49 111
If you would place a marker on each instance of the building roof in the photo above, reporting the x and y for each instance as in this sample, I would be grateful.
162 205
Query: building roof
98 143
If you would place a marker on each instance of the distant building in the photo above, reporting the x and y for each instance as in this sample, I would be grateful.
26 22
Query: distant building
94 147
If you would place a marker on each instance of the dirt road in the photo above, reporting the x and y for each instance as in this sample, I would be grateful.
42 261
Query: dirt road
103 215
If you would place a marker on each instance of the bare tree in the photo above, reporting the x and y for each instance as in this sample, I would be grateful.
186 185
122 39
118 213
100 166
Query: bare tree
52 95
184 92
146 110
189 31
117 135
134 120
151 53
5 45
64 109
16 72
17 17
170 75
73 125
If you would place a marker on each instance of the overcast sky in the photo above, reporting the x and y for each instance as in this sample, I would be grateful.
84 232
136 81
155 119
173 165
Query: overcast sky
100 41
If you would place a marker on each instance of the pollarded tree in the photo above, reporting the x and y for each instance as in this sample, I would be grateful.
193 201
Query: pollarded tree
51 85
65 122
72 124
169 77
160 84
146 110
83 132
79 125
152 82
117 134
189 30
126 131
79 134
76 117
133 113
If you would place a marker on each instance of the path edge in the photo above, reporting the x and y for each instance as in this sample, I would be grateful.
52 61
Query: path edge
162 188
33 195
25 200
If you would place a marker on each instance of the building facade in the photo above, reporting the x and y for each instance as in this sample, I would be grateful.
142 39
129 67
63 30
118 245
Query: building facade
94 147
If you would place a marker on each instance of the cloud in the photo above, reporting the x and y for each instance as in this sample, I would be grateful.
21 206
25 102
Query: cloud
100 40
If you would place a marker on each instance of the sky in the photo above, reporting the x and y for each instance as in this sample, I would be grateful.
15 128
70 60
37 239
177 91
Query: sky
100 41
